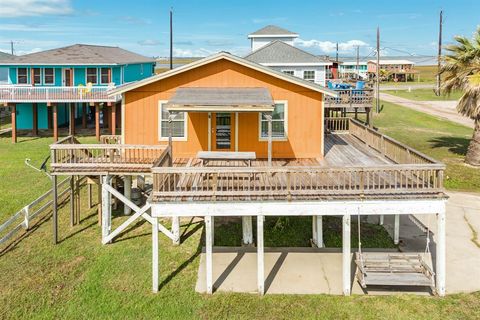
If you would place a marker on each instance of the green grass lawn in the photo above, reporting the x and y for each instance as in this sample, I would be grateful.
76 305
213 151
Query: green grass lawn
442 139
5 122
424 95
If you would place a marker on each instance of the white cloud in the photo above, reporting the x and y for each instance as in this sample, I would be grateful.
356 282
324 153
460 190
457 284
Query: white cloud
201 52
149 42
27 8
329 46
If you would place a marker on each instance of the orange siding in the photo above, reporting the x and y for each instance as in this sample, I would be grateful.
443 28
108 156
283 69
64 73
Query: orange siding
305 118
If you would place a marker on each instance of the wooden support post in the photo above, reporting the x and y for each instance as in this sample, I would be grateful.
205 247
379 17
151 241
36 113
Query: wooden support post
77 209
97 121
14 123
209 254
72 201
441 251
155 273
55 123
381 219
176 230
260 256
396 229
72 120
269 118
89 195
84 116
34 119
346 258
99 196
54 206
127 192
317 230
49 117
247 230
113 123
106 206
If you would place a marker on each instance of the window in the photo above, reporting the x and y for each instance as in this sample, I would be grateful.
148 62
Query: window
37 77
48 76
289 72
279 122
22 77
179 123
105 76
4 75
92 75
309 75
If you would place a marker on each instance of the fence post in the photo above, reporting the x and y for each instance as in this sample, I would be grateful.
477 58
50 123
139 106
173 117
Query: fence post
26 211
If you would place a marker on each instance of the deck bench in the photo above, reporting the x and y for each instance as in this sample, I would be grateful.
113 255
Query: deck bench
206 156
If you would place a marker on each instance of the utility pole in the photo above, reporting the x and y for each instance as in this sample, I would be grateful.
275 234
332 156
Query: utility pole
439 58
336 55
358 63
11 47
377 93
171 39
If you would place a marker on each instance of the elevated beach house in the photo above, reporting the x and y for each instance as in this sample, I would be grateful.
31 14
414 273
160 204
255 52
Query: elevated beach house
54 88
226 136
273 47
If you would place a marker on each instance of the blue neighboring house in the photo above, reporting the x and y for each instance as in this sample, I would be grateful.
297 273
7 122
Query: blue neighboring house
53 88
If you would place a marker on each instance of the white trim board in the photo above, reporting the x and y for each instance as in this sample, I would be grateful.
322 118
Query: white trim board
299 208
185 125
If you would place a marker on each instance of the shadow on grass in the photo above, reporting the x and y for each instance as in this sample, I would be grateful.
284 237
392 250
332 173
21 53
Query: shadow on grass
455 145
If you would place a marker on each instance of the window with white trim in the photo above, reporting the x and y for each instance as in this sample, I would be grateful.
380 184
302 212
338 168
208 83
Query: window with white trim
22 76
92 75
48 76
179 123
105 75
37 76
309 75
279 122
289 72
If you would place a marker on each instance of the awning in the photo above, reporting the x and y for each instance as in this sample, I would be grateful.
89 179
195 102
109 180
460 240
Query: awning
221 100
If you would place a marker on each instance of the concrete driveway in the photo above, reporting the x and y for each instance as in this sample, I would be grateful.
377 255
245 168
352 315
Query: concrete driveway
442 109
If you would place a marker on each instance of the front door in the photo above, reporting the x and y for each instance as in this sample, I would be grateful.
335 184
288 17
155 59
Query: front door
223 132
67 77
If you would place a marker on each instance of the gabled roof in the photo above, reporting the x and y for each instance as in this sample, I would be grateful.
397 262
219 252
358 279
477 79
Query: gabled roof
79 54
272 31
280 53
217 57
4 55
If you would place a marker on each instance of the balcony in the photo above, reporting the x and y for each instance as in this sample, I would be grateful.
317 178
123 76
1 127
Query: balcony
350 98
37 94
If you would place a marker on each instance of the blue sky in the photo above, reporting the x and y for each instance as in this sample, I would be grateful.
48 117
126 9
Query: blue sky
204 27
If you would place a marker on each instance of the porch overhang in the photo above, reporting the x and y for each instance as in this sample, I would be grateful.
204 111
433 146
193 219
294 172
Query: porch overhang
221 100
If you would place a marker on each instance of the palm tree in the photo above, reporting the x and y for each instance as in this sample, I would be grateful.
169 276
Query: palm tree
461 71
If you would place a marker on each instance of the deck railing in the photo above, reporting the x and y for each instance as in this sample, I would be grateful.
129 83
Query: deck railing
291 183
350 98
110 139
19 94
73 156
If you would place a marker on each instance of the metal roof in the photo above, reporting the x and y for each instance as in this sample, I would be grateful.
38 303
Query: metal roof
272 30
79 54
218 99
4 55
278 52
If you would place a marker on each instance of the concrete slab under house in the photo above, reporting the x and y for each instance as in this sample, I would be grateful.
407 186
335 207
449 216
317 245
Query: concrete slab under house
192 131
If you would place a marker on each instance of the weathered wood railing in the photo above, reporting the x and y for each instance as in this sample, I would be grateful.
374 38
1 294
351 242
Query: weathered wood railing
337 124
287 183
350 98
73 157
110 139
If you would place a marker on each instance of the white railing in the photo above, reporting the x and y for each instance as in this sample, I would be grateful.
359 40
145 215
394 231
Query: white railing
22 93
21 219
